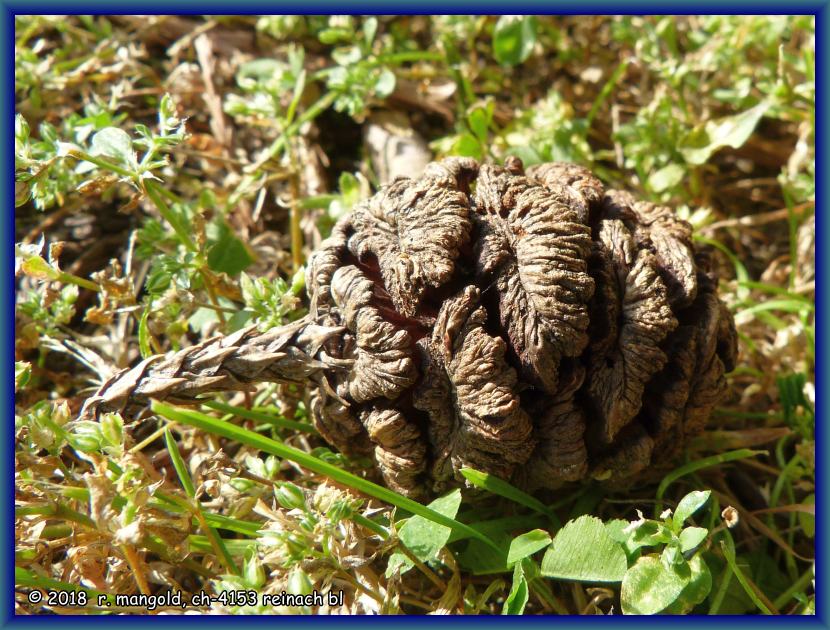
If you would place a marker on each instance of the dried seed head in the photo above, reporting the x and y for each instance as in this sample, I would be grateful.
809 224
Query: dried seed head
532 325
730 516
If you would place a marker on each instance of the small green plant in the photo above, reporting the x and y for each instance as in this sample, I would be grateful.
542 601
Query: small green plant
475 140
271 301
360 75
514 37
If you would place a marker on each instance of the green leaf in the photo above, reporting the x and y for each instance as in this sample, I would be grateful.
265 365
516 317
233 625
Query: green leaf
514 37
667 177
290 496
261 70
346 55
649 587
649 534
22 374
688 505
616 529
503 489
481 559
808 521
479 122
144 333
691 537
466 145
671 556
385 83
697 589
167 112
21 128
112 429
298 582
35 266
517 599
114 143
583 551
527 154
424 537
22 193
349 186
86 436
253 572
228 254
331 36
731 131
370 29
527 544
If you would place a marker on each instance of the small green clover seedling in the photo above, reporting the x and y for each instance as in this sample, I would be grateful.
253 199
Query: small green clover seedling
676 579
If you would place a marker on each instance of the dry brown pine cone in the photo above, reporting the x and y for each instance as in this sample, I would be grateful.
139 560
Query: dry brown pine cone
528 324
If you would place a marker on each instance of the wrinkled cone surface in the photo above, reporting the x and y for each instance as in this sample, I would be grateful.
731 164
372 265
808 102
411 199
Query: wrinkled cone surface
532 325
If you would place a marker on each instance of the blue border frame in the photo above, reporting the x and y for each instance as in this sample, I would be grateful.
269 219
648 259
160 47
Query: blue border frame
368 7
820 9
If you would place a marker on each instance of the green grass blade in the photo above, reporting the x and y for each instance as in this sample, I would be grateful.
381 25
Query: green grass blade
706 462
771 288
800 585
368 523
56 511
741 274
182 231
260 416
179 465
504 489
203 544
728 548
162 549
717 600
255 440
246 528
316 201
187 483
218 544
785 305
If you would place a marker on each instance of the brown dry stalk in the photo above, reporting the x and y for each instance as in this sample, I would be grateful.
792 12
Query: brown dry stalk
291 354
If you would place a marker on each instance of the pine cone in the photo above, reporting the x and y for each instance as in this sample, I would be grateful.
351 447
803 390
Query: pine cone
531 325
